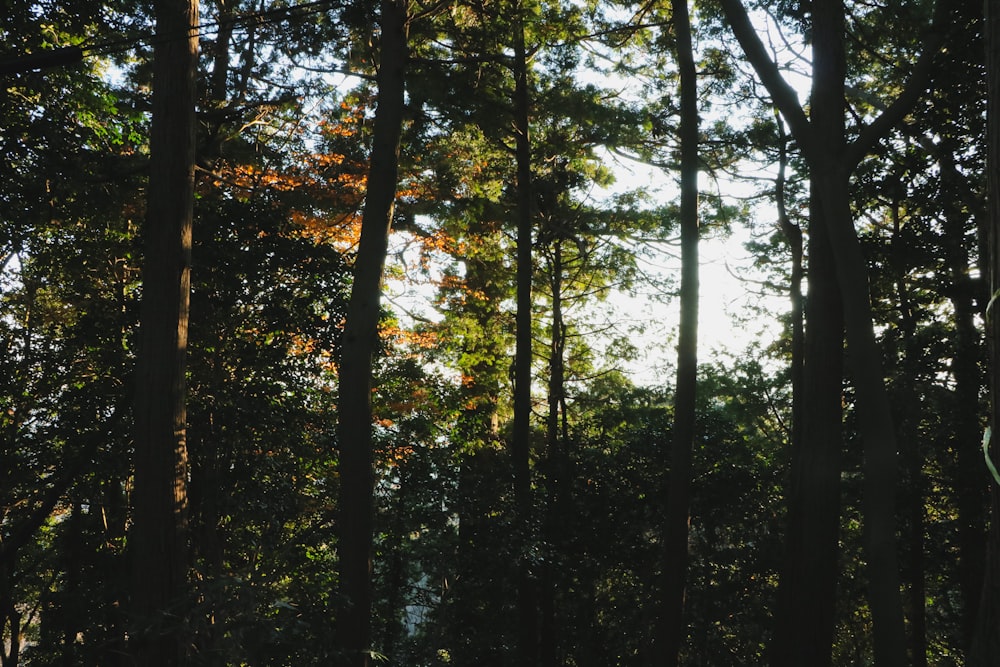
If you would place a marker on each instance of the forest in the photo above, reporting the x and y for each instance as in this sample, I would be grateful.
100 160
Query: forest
366 332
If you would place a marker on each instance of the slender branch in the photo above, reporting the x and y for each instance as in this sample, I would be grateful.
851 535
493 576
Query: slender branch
783 95
915 86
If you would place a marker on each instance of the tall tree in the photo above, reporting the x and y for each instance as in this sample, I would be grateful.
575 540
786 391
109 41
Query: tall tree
832 157
158 535
792 232
360 341
926 191
986 641
520 445
673 631
805 613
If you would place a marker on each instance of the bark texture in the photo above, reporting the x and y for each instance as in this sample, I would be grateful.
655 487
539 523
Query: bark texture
354 426
159 531
673 631
986 643
520 445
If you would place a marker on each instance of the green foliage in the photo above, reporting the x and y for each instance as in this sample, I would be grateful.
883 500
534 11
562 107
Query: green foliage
283 151
259 433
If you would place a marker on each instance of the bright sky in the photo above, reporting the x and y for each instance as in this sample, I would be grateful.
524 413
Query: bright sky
725 323
730 318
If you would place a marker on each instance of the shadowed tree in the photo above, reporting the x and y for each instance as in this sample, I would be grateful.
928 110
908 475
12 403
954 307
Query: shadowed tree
673 629
158 535
986 642
527 633
804 633
360 340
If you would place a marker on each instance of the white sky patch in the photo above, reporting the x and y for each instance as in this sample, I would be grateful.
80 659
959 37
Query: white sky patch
730 295
735 310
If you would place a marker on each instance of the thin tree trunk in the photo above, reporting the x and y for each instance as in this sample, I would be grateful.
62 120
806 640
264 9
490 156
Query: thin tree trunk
478 429
209 464
909 408
875 425
971 494
556 354
986 644
527 633
354 425
673 631
10 619
218 84
805 621
159 530
393 611
557 468
793 236
549 567
74 555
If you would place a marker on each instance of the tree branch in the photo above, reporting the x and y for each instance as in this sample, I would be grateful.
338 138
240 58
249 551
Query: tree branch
781 92
915 86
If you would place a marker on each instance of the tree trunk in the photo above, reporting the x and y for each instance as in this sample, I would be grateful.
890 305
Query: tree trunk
478 432
832 160
159 497
875 425
793 236
393 612
520 446
555 458
10 619
970 492
874 413
967 353
673 631
805 621
218 83
986 644
908 411
354 425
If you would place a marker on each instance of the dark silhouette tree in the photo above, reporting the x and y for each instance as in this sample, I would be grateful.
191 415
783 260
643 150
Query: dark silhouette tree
360 341
832 157
158 537
673 630
986 641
